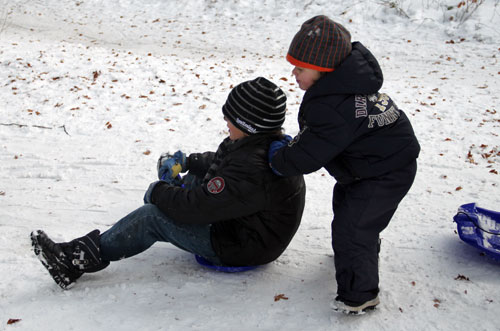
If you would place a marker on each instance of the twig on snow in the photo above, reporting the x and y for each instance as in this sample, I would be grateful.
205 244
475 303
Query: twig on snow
35 126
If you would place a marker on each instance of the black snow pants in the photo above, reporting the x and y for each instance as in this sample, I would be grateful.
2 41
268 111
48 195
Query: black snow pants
362 209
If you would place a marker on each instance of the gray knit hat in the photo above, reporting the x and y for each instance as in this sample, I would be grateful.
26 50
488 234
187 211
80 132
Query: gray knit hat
321 44
256 106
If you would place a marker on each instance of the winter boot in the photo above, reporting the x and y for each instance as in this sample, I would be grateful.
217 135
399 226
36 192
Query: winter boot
352 308
66 262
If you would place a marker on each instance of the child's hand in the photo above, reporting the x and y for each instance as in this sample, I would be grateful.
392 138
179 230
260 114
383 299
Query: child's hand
169 166
274 147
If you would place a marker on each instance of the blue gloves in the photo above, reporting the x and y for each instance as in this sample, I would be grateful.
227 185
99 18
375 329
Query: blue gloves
274 147
169 166
148 196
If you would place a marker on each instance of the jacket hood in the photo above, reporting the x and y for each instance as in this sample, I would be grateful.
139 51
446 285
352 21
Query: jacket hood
359 73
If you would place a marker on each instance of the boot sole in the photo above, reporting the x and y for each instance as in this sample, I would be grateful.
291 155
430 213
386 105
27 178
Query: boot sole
359 310
50 261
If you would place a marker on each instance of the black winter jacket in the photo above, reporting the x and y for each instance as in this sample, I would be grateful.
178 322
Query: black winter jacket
348 127
254 213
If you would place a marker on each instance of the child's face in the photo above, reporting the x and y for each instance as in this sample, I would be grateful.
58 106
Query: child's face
234 132
305 77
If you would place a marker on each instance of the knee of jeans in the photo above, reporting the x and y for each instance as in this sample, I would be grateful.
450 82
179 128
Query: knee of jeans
150 208
142 217
151 214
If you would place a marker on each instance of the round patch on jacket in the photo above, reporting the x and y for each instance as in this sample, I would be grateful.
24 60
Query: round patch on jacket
215 185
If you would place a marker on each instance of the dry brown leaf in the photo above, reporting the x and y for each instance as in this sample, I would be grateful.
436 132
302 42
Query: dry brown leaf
279 297
13 320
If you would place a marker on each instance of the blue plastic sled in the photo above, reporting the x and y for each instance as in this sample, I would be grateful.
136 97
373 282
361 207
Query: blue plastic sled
480 228
204 262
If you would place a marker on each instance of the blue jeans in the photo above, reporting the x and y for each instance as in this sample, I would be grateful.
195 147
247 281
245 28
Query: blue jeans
140 229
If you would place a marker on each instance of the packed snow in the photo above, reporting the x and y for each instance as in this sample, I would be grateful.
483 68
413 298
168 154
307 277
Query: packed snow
92 92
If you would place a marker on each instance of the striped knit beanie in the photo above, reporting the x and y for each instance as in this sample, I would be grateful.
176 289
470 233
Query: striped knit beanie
321 44
256 106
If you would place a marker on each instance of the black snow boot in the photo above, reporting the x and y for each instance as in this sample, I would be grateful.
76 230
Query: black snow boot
66 262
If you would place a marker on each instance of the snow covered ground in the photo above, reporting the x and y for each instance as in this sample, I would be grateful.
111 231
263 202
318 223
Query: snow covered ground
91 93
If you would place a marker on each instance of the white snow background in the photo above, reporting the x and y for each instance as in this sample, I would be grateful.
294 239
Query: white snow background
91 92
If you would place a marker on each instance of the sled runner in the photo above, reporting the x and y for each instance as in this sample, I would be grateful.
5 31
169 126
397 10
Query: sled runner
480 228
204 262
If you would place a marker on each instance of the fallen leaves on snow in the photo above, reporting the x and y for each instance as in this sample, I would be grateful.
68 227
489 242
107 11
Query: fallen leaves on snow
279 297
462 277
13 320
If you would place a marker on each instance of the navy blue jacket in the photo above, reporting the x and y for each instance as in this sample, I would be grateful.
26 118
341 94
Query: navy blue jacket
348 126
